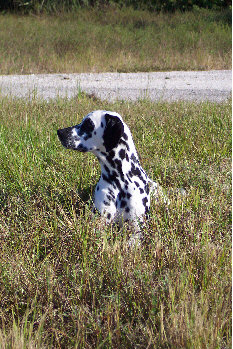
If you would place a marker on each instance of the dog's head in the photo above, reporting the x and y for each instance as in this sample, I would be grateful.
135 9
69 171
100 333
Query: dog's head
99 131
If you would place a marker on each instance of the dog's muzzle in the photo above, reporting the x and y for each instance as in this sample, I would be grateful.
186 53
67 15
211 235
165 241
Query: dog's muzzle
70 141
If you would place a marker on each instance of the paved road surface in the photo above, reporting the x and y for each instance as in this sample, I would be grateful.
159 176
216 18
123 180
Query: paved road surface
215 85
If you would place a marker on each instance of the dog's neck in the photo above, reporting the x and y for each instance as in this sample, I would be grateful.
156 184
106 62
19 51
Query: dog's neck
118 161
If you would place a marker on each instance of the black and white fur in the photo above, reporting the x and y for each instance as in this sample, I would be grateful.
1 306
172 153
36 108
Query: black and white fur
123 191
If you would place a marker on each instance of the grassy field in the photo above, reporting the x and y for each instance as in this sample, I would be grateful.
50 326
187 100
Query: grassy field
115 40
67 282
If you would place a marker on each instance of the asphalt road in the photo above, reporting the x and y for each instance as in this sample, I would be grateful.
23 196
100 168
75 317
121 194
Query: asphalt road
214 86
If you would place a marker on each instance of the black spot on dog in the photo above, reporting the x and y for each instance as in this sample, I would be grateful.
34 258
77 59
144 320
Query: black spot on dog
144 201
135 171
109 216
122 141
109 198
113 131
111 192
106 203
111 161
133 158
122 154
121 195
123 203
128 176
119 168
86 127
125 136
141 190
127 209
106 169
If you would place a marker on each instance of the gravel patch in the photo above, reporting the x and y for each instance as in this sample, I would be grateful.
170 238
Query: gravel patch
214 86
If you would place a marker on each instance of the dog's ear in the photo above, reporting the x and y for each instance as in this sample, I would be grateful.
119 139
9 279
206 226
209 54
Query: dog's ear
113 131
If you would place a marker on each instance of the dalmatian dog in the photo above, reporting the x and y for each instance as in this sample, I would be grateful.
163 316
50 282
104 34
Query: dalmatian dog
123 191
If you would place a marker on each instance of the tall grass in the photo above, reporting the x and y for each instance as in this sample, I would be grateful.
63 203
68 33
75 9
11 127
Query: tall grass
67 281
90 40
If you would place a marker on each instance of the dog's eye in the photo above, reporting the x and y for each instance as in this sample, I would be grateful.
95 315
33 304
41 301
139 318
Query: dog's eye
87 126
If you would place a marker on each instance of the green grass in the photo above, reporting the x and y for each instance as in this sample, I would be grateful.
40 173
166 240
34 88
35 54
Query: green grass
68 282
126 40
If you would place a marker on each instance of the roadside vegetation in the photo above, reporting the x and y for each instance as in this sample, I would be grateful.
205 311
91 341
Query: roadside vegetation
51 6
111 38
68 282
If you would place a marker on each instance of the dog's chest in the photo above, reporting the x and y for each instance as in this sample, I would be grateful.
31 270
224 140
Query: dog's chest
129 198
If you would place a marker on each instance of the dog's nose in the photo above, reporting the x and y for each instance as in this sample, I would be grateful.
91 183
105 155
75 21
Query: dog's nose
63 133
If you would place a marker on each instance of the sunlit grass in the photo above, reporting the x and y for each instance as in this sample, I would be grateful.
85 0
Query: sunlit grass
90 40
67 280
